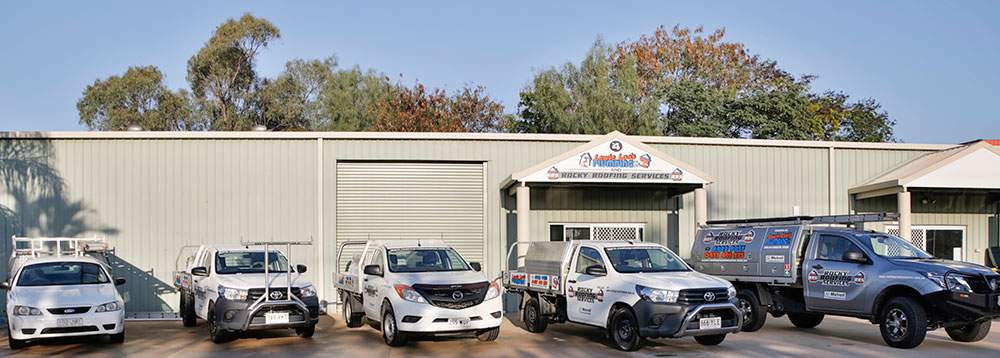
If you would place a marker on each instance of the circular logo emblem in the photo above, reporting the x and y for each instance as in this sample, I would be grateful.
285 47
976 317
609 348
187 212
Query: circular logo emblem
749 237
275 295
569 291
813 276
553 173
709 296
859 278
708 238
995 284
616 146
600 296
69 310
457 295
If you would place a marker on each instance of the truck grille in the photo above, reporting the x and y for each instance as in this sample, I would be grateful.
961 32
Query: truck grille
698 295
983 284
69 310
69 329
255 293
454 297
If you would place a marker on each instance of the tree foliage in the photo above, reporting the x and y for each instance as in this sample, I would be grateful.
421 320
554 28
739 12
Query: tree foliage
688 83
137 98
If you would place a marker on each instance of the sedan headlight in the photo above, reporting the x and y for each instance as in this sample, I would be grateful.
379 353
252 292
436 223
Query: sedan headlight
26 311
656 295
233 294
109 307
408 293
307 291
958 283
731 291
493 291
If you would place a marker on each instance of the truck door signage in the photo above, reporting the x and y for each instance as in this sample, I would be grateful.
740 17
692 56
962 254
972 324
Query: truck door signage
371 290
859 278
199 292
586 294
833 278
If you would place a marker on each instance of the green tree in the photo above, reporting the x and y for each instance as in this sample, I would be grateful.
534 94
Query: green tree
222 72
139 97
351 99
292 101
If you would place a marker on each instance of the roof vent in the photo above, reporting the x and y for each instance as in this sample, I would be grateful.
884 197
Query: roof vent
259 128
135 128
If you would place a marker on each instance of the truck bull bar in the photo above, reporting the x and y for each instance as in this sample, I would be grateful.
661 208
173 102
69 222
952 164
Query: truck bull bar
265 300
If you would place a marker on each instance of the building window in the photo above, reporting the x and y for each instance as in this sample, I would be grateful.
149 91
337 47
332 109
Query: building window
596 231
945 242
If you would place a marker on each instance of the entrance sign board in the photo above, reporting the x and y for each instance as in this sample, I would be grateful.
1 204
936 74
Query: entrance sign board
615 160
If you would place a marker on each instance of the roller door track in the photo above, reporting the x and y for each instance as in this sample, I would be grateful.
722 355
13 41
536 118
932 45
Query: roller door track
391 201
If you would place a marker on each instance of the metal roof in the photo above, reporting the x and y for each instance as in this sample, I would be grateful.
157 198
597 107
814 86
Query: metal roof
968 166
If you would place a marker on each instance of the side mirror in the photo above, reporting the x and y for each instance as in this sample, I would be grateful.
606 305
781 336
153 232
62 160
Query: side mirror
300 268
856 257
199 271
374 270
119 281
596 270
476 266
4 285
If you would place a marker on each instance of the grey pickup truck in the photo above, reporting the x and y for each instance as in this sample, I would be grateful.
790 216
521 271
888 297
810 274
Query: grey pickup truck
808 267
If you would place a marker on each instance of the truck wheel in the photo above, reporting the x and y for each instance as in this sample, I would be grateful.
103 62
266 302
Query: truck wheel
488 335
754 314
710 340
972 332
624 330
390 332
533 319
805 320
306 332
351 319
903 323
117 338
217 334
187 311
15 343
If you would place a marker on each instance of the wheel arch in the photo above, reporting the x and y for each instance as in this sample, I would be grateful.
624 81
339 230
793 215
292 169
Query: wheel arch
615 307
894 291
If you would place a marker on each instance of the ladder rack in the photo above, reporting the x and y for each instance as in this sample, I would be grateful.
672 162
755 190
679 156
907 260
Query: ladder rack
849 220
53 246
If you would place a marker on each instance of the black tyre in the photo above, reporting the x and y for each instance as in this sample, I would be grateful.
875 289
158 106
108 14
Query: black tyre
624 330
805 320
972 332
534 321
390 332
903 322
754 315
710 340
216 332
117 338
16 343
488 335
351 318
187 311
306 332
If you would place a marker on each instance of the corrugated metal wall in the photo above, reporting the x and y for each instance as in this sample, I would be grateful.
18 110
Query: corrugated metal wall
152 196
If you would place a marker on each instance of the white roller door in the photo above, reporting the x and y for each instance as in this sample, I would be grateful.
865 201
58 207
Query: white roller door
391 201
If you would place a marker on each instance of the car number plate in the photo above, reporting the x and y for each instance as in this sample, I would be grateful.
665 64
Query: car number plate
275 317
69 322
458 322
710 323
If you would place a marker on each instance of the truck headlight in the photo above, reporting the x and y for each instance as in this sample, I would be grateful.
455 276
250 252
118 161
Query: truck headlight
108 307
409 294
492 292
958 283
307 291
936 278
731 291
656 295
232 294
26 311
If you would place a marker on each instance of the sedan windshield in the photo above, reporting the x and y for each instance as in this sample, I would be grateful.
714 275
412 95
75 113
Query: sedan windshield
425 260
892 247
644 259
62 273
249 262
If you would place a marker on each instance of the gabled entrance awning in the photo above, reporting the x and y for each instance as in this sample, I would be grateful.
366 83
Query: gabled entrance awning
612 159
974 166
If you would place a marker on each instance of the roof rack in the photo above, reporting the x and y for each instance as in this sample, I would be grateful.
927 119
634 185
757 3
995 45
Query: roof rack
849 220
54 246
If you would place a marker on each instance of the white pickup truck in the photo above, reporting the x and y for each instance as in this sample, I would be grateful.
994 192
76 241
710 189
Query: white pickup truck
61 287
232 288
417 288
634 290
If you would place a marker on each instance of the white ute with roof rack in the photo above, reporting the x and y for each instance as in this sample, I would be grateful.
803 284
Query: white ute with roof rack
417 288
61 287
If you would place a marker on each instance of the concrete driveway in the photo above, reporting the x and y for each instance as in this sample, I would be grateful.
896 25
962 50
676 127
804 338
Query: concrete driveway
836 336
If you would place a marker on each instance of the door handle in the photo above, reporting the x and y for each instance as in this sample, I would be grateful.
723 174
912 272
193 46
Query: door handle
818 267
571 281
366 280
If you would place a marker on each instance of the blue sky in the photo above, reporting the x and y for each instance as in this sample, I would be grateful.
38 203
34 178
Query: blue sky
933 66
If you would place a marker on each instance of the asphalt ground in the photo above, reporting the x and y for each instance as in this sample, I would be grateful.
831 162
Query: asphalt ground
836 336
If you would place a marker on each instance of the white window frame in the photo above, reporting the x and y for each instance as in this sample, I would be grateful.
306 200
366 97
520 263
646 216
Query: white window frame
592 226
924 228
